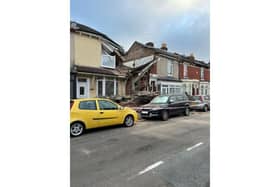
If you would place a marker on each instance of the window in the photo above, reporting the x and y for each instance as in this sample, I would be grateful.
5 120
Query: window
202 73
206 90
82 80
82 90
87 105
202 90
185 70
108 61
107 105
180 98
109 87
164 89
170 68
172 99
160 100
106 86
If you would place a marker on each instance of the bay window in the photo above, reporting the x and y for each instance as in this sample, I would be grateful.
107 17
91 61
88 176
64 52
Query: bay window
106 86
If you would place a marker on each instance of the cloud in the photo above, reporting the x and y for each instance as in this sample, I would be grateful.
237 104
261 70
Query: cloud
183 24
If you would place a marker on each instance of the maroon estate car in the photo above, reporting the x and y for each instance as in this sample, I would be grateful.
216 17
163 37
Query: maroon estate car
164 106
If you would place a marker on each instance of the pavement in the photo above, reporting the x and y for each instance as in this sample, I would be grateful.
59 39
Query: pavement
153 153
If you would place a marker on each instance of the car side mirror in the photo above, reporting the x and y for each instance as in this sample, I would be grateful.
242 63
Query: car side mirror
171 101
121 108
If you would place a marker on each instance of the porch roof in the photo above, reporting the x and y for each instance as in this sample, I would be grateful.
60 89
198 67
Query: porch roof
100 71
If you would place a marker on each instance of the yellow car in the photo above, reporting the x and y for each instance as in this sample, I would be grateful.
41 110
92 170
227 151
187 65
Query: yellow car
98 112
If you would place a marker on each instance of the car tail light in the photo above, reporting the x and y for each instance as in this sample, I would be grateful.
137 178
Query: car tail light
71 104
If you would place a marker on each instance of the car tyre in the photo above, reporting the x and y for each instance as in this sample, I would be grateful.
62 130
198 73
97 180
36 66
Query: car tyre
128 121
205 108
164 115
76 129
187 111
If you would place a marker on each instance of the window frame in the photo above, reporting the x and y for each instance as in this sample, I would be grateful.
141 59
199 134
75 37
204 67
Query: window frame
117 107
185 70
170 68
202 73
85 102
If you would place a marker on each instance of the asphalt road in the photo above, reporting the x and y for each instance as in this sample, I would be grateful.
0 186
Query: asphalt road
153 153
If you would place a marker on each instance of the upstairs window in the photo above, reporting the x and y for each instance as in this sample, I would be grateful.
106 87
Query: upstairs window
201 73
185 70
107 60
169 68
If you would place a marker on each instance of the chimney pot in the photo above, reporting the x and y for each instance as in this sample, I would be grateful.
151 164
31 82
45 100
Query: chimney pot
164 46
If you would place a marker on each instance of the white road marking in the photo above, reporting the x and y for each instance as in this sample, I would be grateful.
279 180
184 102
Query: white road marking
150 167
85 151
196 145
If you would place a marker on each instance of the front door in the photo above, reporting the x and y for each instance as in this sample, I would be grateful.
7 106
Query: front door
82 88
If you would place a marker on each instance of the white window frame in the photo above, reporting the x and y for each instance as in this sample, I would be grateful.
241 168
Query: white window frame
185 70
170 68
104 86
111 58
201 73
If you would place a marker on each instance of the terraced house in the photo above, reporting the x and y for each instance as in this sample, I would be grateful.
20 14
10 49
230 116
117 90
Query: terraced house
99 67
158 70
94 64
153 69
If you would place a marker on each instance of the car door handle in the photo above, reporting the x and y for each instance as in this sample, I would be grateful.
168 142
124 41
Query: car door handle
101 112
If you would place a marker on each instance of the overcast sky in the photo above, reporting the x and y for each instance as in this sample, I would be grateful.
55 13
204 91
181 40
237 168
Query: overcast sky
182 24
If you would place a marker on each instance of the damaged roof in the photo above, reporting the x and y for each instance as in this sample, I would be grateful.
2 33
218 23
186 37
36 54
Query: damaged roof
75 26
176 56
158 50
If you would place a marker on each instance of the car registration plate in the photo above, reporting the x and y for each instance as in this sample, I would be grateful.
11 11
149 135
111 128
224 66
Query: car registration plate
144 112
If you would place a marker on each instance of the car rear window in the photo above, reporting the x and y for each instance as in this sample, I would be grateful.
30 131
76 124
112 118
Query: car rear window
87 105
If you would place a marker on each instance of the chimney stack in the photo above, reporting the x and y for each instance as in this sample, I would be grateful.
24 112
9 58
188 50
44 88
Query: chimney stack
164 46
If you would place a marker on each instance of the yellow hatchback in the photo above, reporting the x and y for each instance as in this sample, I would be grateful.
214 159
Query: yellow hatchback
98 112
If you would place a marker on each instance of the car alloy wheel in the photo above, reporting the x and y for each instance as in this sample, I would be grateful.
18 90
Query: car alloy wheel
76 129
187 111
205 108
128 121
164 115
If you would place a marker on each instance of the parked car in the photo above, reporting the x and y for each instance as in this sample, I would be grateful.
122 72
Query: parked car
98 112
200 102
164 106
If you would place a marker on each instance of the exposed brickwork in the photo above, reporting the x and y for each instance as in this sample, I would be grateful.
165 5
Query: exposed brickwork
181 71
137 51
207 74
194 72
154 69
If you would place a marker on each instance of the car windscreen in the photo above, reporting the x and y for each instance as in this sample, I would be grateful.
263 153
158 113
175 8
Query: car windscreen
195 98
160 100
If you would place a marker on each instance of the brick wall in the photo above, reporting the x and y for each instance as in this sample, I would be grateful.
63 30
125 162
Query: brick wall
181 71
154 69
137 51
207 74
194 72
